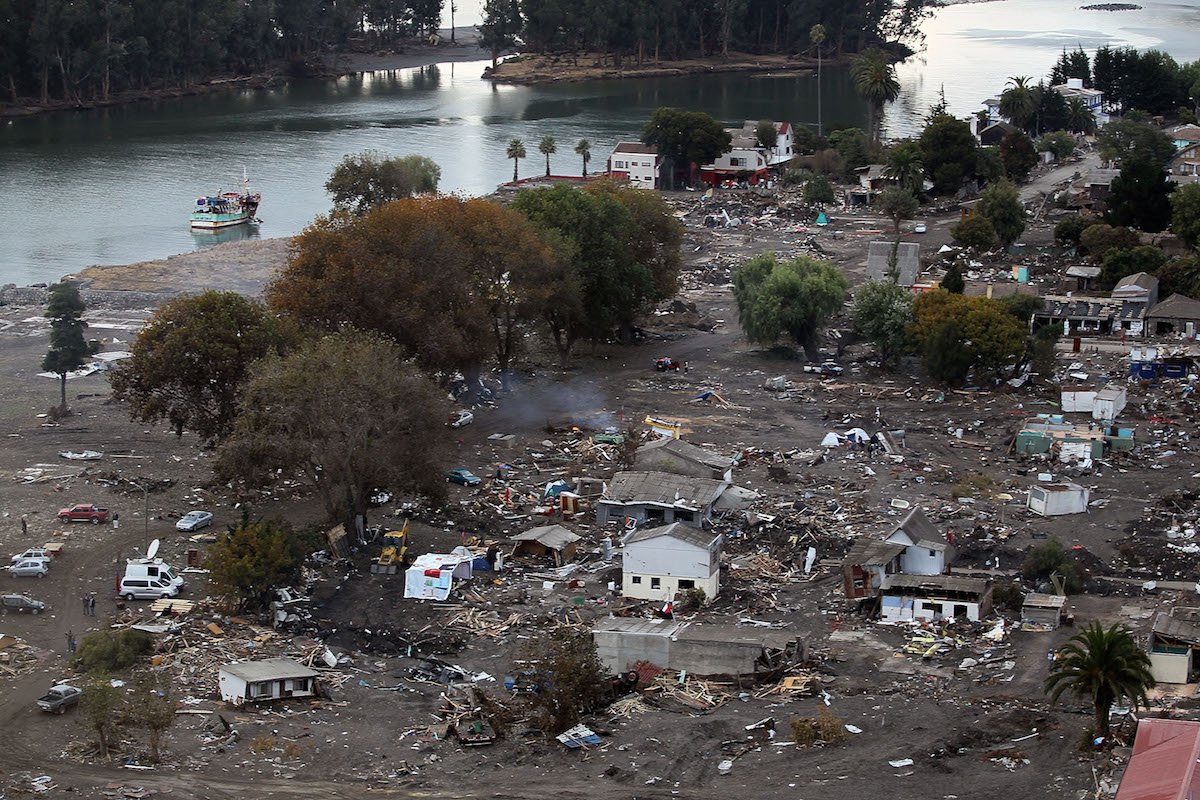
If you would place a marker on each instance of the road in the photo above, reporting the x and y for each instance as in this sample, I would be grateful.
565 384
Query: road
1045 183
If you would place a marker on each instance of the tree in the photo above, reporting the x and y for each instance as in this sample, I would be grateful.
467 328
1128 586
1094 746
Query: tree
367 180
516 151
152 707
1098 239
583 149
1051 558
1103 665
547 147
1023 306
793 297
953 281
1060 144
1070 228
68 349
1018 102
1074 64
346 414
1141 196
853 146
1185 213
904 166
1080 118
502 24
573 678
816 35
975 231
192 358
1044 349
766 134
1018 155
1001 205
109 651
1135 138
251 559
818 189
1121 263
1180 275
874 78
948 150
101 704
684 138
883 312
947 357
958 334
897 204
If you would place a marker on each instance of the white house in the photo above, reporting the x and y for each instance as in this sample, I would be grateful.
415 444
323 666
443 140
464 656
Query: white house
926 552
660 562
637 163
1055 499
269 679
934 597
746 158
1093 98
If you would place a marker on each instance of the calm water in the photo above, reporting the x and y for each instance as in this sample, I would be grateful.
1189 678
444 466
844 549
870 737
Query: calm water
116 185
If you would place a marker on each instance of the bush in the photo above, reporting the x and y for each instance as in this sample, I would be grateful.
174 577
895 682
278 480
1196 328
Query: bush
113 651
1008 595
825 728
975 231
1070 228
1098 239
1045 559
818 190
692 599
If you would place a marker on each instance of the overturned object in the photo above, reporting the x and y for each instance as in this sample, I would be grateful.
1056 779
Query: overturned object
432 576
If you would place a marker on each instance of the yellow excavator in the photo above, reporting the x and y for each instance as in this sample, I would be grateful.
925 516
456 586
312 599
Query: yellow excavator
393 555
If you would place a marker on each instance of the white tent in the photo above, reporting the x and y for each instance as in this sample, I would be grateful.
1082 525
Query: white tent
831 440
432 576
858 435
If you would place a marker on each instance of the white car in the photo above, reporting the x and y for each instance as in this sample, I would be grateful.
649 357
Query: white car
33 552
30 568
194 521
920 228
460 418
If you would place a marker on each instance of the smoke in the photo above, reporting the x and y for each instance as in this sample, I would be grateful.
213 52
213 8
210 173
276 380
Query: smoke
577 401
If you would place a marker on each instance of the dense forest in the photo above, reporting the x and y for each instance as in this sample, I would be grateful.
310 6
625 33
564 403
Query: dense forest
672 29
77 51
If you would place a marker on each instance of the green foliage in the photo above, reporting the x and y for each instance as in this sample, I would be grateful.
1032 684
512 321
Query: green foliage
874 78
345 414
1141 197
192 358
684 138
574 678
501 27
897 204
1180 275
1043 560
854 148
1008 595
1103 665
989 166
113 651
958 334
1149 80
1018 155
948 151
976 231
1043 350
905 167
1120 263
1059 143
1098 239
547 147
1074 64
68 349
1080 118
367 180
766 133
946 354
883 312
1185 213
1069 229
1023 306
1001 205
1135 138
793 298
101 706
953 281
818 189
1018 102
583 149
515 151
252 558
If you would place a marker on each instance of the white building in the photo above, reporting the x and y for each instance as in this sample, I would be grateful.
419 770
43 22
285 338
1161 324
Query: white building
660 562
746 158
1055 499
270 679
934 597
637 163
926 552
1093 98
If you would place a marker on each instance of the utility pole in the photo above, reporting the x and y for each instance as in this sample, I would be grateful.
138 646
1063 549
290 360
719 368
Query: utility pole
817 37
453 8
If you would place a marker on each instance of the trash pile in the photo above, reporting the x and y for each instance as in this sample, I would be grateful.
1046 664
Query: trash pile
17 656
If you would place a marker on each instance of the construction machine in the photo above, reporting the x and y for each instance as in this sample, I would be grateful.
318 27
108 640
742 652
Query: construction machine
393 554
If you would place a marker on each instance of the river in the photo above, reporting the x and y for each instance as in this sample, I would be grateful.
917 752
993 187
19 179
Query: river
115 185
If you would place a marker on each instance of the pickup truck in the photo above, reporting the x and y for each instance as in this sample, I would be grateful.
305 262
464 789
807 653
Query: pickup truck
85 512
59 698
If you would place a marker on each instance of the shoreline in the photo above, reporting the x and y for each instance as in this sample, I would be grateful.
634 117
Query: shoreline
531 69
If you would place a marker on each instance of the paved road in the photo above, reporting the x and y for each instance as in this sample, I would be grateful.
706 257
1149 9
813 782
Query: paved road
1046 182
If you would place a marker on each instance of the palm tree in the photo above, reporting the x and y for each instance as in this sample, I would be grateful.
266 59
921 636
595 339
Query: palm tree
1105 665
515 151
547 148
817 36
1018 102
875 81
904 166
584 149
1079 116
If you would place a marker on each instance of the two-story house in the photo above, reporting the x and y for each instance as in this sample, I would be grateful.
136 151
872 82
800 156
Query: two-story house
658 563
1092 98
637 163
747 159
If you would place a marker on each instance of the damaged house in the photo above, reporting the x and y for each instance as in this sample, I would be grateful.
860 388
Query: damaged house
914 546
1056 499
622 642
659 498
678 457
269 679
1174 639
548 541
934 597
659 563
1071 442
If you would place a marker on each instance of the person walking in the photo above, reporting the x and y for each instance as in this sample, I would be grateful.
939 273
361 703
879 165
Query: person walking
116 520
84 599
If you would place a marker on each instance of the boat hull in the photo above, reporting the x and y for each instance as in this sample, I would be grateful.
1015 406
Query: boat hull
212 222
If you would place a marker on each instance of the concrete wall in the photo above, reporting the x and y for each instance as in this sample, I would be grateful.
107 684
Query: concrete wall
1170 667
644 588
699 649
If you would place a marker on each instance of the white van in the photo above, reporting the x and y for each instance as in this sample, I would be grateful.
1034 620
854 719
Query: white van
146 588
151 569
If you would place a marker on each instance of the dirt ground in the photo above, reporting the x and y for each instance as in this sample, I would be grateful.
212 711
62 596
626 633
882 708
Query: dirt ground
974 728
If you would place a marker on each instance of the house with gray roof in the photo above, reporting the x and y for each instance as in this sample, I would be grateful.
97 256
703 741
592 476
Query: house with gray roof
667 454
660 563
1177 314
658 498
267 679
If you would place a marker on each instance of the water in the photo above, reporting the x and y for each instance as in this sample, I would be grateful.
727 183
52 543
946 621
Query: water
116 185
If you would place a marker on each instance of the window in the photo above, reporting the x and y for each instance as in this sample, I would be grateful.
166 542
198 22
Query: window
656 583
684 583
636 580
685 516
935 608
737 162
933 553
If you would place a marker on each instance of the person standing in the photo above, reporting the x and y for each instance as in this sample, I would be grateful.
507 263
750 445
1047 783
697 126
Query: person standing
84 599
116 520
71 641
24 525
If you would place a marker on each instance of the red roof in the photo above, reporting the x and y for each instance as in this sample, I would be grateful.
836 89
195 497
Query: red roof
1163 766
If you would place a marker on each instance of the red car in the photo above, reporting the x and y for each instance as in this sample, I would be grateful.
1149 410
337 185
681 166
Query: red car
667 365
85 512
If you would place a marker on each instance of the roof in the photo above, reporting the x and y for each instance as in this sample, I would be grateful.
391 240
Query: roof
1171 627
1080 307
1102 177
1060 487
556 537
908 261
635 147
947 583
685 451
268 669
1083 272
1185 133
1040 600
872 552
676 530
1163 765
917 527
1142 280
1177 306
663 488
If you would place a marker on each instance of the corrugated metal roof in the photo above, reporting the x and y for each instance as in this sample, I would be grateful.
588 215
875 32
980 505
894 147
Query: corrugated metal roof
1177 306
676 530
663 488
1163 765
1174 628
556 537
268 669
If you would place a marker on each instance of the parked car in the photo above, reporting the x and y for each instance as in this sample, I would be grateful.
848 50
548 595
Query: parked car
30 568
84 512
194 521
33 552
824 368
463 476
146 588
460 418
59 698
20 602
920 228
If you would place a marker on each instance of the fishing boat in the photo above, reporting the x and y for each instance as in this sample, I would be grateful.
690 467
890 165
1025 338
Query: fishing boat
226 209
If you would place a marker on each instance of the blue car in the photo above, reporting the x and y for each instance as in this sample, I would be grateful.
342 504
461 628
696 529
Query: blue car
463 476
